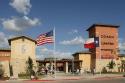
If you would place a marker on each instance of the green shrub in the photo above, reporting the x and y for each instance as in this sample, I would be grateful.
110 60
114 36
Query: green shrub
104 70
24 75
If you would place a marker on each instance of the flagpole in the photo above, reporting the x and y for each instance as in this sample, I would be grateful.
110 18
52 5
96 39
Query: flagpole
54 49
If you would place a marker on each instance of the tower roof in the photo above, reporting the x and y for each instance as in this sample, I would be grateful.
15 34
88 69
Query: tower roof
18 37
103 25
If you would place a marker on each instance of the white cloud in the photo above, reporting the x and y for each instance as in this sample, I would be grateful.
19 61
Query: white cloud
20 23
46 53
122 46
3 40
21 6
76 41
73 31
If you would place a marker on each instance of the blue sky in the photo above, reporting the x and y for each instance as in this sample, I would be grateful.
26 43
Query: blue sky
71 18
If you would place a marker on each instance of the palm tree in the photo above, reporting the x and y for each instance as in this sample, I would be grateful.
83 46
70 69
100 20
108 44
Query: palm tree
123 65
111 65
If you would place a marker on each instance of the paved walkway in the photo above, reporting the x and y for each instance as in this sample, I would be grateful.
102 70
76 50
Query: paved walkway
63 76
83 76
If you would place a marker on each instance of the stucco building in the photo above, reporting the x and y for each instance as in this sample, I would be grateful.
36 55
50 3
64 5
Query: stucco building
22 48
121 63
14 59
85 58
5 60
63 65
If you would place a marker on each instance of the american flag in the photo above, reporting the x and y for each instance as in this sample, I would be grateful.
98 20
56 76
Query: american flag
45 38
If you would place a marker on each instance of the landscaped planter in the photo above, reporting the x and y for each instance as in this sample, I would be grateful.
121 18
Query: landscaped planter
124 75
5 78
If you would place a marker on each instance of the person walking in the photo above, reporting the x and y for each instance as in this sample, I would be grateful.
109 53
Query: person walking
46 71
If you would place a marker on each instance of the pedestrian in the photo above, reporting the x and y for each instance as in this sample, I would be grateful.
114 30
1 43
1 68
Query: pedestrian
32 77
93 71
46 71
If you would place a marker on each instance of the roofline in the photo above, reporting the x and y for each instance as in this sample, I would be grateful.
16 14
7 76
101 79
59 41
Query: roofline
121 55
59 61
81 53
9 40
5 50
104 25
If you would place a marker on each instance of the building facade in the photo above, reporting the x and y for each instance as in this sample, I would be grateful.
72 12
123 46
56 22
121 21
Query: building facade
63 65
22 48
5 60
107 50
121 63
85 57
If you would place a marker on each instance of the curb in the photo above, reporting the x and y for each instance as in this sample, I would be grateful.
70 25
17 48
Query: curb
71 79
39 80
108 77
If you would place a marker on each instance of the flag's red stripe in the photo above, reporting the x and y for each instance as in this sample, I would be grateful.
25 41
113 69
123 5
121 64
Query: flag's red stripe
45 40
43 43
89 45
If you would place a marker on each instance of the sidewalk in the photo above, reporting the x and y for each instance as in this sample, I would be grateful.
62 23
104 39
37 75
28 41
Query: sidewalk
63 76
98 76
83 76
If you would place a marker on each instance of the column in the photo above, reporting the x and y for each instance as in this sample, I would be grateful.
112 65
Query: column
66 67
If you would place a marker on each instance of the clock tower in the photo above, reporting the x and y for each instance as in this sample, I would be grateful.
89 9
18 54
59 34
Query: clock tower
22 48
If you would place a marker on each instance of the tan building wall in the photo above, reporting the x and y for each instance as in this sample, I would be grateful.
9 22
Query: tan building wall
121 57
21 49
85 61
85 57
120 63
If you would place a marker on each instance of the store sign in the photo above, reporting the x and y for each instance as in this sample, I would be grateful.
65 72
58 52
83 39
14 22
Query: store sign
107 36
105 42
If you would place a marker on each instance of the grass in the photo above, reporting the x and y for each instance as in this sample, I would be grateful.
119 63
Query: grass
112 73
24 77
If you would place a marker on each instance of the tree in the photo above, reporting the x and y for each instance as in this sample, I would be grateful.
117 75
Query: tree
30 70
11 70
111 65
1 71
123 65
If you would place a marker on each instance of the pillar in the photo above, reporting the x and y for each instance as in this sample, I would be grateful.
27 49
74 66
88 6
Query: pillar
66 67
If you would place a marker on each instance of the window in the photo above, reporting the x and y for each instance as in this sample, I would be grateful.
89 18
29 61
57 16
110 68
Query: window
23 49
23 39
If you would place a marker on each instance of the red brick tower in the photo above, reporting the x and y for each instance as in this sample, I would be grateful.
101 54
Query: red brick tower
107 51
